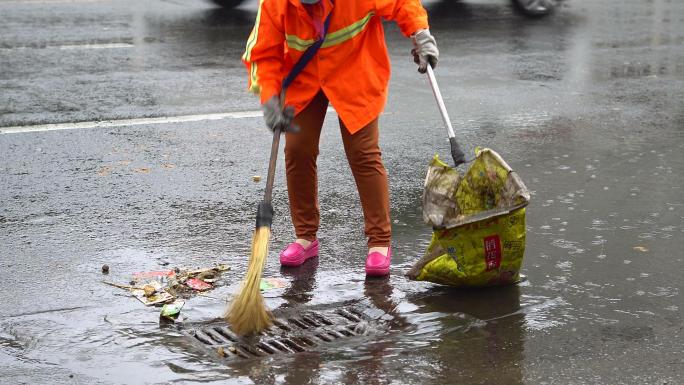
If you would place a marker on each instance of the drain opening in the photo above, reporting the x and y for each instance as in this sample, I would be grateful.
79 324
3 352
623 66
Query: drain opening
239 352
216 336
324 337
306 340
335 333
311 321
299 323
252 350
202 337
293 345
295 334
282 346
227 333
323 319
266 347
349 315
281 325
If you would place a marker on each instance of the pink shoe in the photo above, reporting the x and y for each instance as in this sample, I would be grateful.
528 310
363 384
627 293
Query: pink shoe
378 265
295 254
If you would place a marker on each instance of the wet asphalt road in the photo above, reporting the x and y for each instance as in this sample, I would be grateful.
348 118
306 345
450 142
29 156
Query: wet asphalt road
587 105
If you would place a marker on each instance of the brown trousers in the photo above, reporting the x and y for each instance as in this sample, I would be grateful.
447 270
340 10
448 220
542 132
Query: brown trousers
363 154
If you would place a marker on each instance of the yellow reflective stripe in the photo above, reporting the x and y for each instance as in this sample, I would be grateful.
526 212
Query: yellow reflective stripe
254 35
255 86
334 38
295 42
346 33
247 56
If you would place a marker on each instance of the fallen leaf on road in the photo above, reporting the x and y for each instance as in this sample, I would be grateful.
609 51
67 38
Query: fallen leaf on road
220 351
142 170
168 166
640 248
124 162
104 171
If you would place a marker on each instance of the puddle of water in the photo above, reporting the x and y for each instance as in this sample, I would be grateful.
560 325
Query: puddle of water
126 338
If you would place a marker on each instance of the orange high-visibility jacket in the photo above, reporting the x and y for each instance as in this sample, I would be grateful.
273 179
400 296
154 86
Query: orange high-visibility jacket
352 66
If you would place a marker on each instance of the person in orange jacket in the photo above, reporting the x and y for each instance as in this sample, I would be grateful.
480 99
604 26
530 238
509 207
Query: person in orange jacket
351 70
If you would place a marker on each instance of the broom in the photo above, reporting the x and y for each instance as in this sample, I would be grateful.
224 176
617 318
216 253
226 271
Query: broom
248 314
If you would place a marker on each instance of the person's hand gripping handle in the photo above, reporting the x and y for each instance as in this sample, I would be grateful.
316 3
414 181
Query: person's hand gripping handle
424 50
278 116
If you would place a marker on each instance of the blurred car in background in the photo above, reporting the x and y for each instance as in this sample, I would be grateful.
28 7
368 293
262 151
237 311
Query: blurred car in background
534 8
228 3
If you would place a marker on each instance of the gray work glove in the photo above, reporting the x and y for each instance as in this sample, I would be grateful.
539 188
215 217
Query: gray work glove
278 117
424 50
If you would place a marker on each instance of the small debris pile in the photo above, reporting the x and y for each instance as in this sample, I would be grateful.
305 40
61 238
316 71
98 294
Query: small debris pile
171 288
166 286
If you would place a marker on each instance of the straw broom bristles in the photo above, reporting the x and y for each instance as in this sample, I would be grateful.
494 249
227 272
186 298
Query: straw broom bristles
248 314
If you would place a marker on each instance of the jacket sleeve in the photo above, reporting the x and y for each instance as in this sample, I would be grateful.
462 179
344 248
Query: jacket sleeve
409 14
265 53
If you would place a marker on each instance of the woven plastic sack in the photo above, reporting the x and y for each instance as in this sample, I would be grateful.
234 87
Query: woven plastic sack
478 221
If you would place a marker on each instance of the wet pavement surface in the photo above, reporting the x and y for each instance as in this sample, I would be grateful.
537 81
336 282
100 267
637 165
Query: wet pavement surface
587 105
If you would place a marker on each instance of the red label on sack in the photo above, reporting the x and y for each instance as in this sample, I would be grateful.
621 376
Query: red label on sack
492 251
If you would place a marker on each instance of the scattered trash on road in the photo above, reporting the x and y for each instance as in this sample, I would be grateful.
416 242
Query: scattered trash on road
145 275
149 290
197 284
172 310
166 286
267 284
151 293
220 351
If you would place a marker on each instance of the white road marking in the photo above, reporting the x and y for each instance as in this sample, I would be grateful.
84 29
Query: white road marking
129 122
25 2
96 46
133 122
72 46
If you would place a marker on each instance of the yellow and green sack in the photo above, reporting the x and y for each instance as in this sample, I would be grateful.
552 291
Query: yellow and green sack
478 222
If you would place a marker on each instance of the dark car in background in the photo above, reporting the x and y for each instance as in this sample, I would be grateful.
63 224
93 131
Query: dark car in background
533 8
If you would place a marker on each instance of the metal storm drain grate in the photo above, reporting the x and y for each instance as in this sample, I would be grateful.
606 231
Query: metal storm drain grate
301 332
